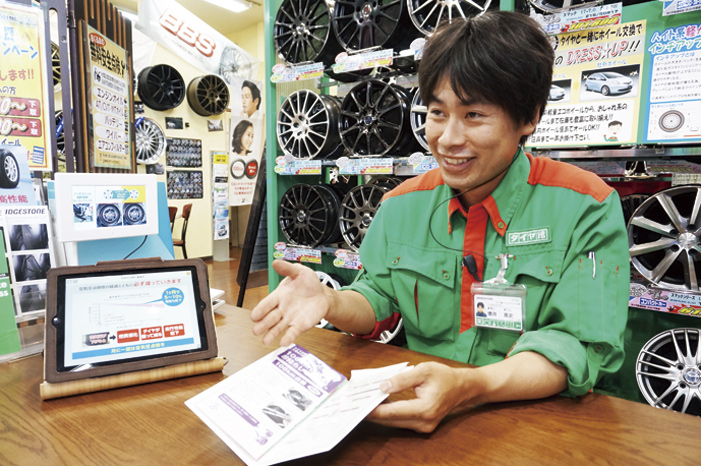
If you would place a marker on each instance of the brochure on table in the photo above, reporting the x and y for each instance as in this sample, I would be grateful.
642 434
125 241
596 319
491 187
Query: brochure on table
289 404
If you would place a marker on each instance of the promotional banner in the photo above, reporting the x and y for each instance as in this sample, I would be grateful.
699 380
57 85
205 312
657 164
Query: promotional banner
244 159
176 28
674 109
24 83
220 194
595 94
110 102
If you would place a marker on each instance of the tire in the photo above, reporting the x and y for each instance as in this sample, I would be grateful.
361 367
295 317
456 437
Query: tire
208 95
161 87
134 214
9 170
605 90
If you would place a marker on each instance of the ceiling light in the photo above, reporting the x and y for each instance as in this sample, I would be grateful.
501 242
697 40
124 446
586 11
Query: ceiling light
237 6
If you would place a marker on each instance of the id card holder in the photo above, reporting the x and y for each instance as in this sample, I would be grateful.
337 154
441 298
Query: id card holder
499 304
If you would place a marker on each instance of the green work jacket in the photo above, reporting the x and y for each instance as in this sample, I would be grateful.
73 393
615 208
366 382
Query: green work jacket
565 229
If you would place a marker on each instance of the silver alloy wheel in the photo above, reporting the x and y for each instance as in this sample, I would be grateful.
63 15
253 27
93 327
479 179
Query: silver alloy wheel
418 120
150 142
663 238
668 370
358 208
428 14
375 119
307 125
56 66
234 64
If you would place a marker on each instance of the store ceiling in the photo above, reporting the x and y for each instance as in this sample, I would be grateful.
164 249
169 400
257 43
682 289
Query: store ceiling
220 19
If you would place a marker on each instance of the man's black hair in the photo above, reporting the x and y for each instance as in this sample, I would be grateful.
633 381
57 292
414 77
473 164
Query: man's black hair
500 57
255 92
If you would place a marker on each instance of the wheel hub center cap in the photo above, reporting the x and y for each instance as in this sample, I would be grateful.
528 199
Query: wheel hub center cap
692 376
367 9
368 119
687 240
367 219
301 217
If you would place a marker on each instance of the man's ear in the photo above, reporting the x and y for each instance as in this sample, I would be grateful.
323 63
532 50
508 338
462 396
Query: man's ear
257 102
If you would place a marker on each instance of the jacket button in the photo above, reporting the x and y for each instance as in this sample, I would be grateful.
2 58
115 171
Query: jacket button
500 225
548 271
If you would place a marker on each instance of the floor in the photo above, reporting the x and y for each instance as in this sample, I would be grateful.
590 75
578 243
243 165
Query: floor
222 276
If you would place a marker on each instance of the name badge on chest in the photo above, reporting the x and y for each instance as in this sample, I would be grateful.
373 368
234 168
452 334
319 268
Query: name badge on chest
499 304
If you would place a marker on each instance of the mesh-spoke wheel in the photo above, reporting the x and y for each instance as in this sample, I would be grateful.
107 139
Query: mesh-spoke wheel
208 95
668 370
308 215
307 125
375 118
56 66
357 211
234 64
361 24
663 236
150 141
161 87
302 32
428 14
418 120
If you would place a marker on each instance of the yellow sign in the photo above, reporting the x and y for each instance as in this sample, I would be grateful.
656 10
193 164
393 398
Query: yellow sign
23 83
109 102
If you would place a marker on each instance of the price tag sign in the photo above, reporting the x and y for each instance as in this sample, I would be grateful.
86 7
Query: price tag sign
312 256
297 167
426 164
347 260
345 62
366 166
287 73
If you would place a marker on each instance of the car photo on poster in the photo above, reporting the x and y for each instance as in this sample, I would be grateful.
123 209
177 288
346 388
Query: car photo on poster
610 82
560 91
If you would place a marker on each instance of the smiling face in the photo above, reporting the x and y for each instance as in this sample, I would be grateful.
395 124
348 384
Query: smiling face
247 139
473 142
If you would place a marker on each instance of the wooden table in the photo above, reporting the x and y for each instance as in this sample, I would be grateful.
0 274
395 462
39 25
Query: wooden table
150 424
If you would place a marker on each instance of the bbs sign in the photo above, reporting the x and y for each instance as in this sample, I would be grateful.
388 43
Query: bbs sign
195 41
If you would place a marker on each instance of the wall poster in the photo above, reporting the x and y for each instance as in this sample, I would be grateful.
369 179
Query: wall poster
595 94
109 103
24 83
674 110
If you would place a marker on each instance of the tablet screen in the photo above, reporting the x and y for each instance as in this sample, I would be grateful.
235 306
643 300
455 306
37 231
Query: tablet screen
110 318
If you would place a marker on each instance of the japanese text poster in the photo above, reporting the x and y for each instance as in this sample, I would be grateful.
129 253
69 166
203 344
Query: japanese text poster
23 83
110 102
674 111
595 94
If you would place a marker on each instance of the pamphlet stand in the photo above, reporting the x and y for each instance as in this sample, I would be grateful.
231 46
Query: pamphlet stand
49 390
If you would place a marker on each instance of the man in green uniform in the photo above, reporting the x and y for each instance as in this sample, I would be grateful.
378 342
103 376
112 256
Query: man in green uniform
541 244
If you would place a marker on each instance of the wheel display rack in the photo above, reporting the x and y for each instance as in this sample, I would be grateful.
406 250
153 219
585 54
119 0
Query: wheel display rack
378 118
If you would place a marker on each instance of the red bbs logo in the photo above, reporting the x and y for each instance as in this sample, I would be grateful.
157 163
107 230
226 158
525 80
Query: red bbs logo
186 32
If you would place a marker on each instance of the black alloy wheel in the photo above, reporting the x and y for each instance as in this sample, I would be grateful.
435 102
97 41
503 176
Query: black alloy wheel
308 215
307 125
161 87
358 209
364 24
208 95
303 33
375 119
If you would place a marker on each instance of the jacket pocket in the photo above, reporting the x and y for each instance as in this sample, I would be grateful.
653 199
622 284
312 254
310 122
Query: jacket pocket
426 282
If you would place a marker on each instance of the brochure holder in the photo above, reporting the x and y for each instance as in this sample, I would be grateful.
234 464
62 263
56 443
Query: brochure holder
123 323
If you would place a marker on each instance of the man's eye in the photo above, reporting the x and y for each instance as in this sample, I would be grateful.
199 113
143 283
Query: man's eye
473 115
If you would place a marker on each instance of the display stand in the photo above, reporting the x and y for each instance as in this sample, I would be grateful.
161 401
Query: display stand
49 390
259 199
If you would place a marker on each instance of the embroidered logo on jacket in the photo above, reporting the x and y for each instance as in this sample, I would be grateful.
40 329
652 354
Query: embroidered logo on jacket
519 238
